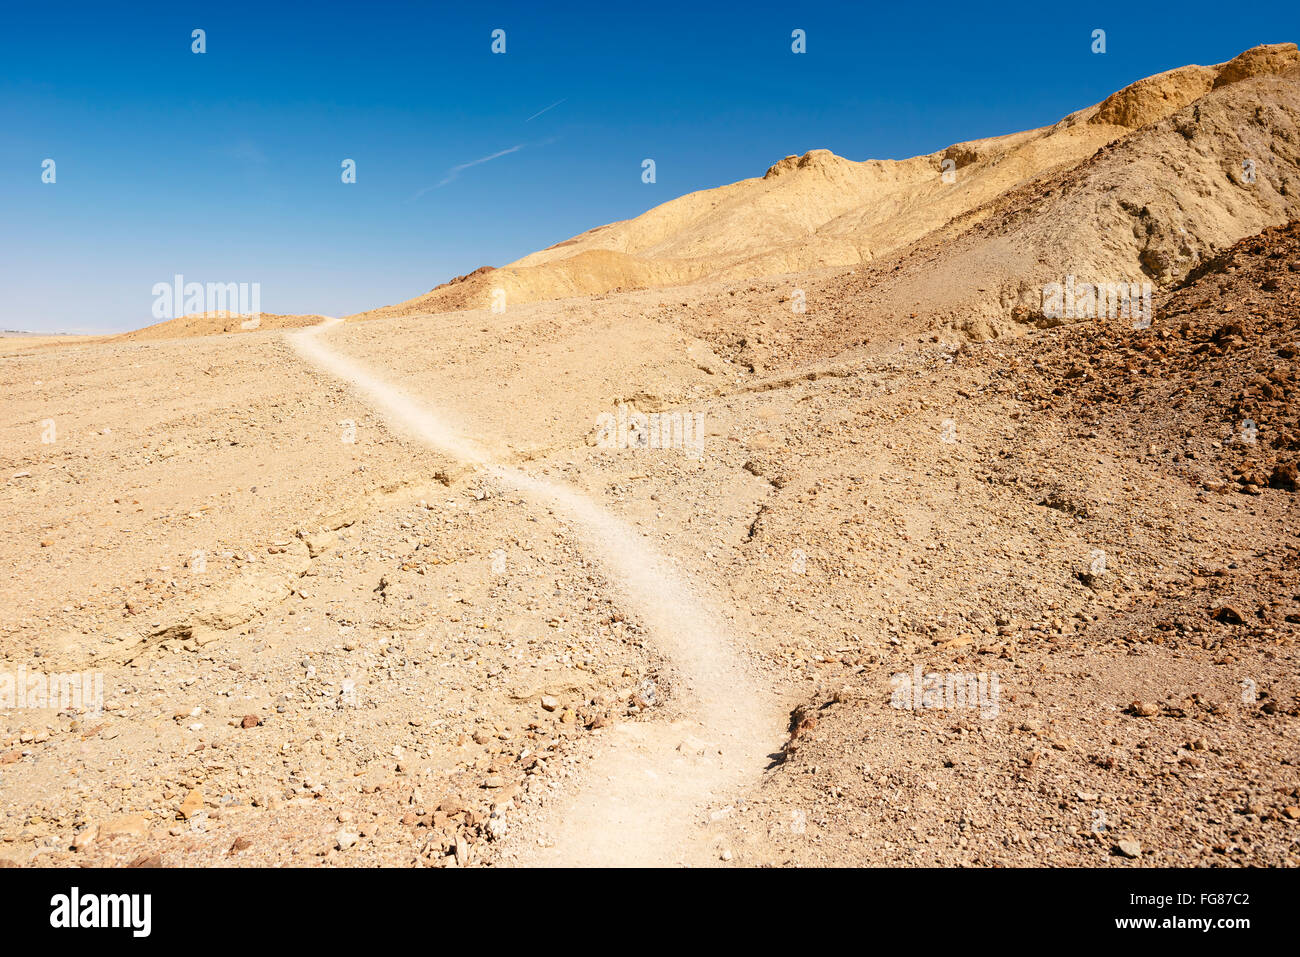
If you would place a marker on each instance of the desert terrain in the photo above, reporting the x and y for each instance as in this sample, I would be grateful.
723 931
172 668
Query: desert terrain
388 590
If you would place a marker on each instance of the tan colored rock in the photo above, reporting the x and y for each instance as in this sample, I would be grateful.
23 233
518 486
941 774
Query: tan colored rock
319 543
192 804
125 825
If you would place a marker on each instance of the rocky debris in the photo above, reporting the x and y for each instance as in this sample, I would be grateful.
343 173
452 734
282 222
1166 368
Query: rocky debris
1218 395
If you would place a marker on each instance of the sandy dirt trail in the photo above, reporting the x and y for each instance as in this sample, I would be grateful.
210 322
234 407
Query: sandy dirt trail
642 797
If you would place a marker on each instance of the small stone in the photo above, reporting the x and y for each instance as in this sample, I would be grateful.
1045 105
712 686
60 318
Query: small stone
1228 615
549 703
346 839
1285 476
126 825
319 543
693 745
250 721
192 804
1129 848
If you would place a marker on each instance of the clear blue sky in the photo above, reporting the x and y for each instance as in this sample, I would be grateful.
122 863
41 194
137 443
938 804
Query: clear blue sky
225 166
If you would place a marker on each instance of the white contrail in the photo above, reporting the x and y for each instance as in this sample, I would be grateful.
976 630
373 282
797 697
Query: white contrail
540 112
457 169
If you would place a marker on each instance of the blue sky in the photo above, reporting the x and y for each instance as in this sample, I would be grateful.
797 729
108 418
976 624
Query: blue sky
225 166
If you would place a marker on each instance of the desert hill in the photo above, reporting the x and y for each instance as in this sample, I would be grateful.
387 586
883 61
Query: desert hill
216 323
821 210
1148 208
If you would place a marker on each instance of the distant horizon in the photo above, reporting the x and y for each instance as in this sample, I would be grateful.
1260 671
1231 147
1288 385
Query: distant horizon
231 165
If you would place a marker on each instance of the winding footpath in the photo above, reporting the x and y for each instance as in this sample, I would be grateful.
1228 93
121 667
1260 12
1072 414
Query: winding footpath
641 798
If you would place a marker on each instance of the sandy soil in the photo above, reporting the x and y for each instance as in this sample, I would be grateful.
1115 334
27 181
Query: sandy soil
470 633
